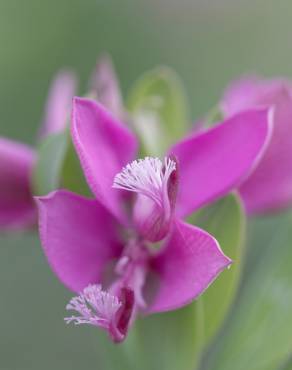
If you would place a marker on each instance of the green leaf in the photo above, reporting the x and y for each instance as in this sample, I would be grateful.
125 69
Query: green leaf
58 166
163 341
161 334
159 110
72 173
258 335
46 173
226 221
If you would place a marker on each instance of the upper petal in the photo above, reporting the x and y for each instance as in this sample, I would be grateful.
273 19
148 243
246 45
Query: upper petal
79 237
269 187
189 262
17 208
105 85
213 162
59 102
249 92
104 146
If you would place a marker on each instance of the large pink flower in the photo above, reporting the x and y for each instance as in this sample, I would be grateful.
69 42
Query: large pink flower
111 241
269 188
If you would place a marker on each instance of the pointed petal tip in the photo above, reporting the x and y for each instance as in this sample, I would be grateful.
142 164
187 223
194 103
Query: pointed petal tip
104 145
58 103
41 199
216 161
191 260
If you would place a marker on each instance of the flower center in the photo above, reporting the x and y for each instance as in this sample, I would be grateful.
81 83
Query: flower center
148 176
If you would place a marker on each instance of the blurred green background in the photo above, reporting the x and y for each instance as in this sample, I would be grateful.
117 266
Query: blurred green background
207 42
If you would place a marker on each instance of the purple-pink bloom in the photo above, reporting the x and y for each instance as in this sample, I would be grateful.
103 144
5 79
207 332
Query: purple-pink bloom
17 208
269 188
104 85
110 241
58 105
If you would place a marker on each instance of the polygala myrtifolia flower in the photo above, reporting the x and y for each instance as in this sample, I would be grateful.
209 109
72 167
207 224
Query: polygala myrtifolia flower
269 188
105 248
17 208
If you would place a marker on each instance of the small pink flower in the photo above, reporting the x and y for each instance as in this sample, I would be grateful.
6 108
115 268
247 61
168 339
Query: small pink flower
104 85
109 240
17 208
58 103
269 188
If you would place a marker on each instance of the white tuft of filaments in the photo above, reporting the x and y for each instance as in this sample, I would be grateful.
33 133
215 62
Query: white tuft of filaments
147 176
94 306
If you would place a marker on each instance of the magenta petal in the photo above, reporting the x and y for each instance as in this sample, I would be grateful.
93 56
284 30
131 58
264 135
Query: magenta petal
150 221
250 92
214 162
59 103
105 85
17 209
190 262
79 237
269 187
153 221
104 146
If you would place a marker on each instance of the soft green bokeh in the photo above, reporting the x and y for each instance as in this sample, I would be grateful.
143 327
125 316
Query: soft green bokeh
208 44
258 333
159 110
46 172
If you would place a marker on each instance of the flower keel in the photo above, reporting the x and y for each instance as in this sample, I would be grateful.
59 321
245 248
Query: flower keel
150 179
104 310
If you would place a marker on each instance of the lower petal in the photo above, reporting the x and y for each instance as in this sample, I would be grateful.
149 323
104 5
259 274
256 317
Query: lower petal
188 264
79 237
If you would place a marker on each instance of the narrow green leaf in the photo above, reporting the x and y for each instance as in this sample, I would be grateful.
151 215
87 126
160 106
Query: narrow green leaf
46 173
157 103
163 341
58 166
161 334
225 220
257 335
72 173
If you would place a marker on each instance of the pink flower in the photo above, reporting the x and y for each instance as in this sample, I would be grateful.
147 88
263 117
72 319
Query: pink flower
58 103
17 208
112 240
269 188
104 85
